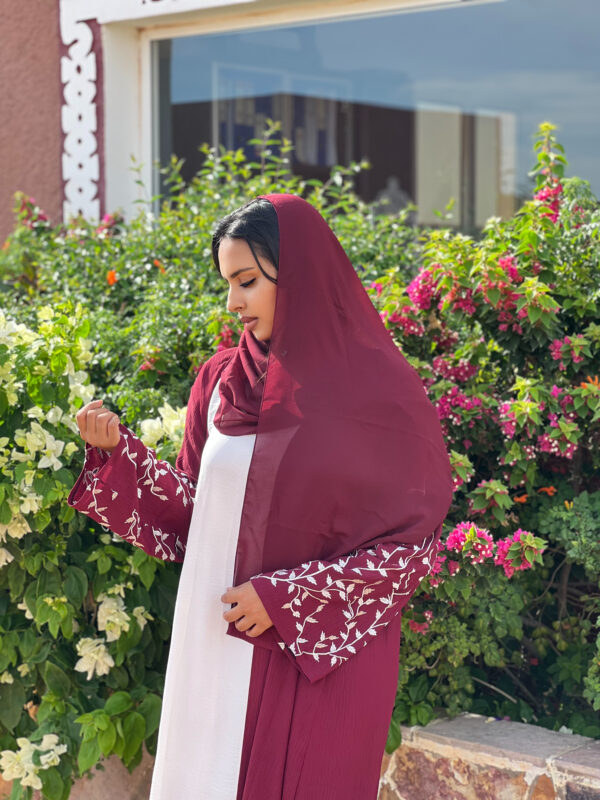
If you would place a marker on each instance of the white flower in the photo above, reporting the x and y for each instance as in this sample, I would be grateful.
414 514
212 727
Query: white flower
5 557
53 448
35 412
51 758
45 313
112 617
23 670
16 528
141 615
173 420
24 607
70 448
54 415
19 765
32 779
118 588
30 503
152 431
94 657
32 440
11 333
12 765
6 677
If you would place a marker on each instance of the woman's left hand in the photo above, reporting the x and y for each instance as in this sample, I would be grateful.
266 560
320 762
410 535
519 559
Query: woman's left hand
249 610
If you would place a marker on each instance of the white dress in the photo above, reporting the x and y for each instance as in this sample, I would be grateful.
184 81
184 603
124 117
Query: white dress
208 672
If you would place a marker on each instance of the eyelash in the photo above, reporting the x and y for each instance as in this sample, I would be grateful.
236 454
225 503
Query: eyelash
248 283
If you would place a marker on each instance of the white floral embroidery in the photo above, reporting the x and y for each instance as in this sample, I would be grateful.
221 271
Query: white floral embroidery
154 477
353 580
95 488
153 471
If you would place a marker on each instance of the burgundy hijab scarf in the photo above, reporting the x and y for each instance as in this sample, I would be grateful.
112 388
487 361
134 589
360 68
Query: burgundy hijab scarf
349 450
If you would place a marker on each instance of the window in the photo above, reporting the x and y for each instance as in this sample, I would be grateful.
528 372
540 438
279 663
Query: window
444 102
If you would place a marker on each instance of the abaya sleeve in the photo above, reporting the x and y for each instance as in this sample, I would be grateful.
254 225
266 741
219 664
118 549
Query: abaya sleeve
141 498
327 611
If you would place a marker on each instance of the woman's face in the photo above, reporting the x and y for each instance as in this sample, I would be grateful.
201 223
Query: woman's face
251 295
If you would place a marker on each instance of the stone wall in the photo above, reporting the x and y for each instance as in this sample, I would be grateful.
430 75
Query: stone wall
478 758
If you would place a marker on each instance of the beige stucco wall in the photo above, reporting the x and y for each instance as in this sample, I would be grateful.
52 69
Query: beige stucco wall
30 99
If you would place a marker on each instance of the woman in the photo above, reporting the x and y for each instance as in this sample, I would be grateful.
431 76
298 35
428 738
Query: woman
308 497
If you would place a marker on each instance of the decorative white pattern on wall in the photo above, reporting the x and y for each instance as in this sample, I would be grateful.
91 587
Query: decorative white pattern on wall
80 158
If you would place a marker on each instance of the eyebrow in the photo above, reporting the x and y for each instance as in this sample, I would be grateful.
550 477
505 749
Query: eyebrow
237 272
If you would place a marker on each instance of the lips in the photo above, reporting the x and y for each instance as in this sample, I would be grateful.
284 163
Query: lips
244 320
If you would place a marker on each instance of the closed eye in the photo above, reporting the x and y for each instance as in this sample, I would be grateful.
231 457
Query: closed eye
248 283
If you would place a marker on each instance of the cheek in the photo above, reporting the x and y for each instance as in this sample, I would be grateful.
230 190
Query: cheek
272 302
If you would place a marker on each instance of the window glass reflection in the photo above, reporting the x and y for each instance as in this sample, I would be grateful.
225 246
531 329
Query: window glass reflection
443 102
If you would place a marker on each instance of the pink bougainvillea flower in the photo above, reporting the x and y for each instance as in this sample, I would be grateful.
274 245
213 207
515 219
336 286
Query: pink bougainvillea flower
422 289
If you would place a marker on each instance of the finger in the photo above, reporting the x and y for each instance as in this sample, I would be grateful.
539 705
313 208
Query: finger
243 624
82 415
102 418
255 631
233 614
113 431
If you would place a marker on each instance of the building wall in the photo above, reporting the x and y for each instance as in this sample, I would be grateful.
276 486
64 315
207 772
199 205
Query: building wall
30 102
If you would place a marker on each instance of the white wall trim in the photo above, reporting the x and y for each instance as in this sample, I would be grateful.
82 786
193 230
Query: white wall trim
80 159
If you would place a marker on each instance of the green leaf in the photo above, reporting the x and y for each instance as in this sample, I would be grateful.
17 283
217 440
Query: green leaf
150 708
534 313
418 689
49 582
5 514
16 580
104 563
41 520
107 739
394 737
134 730
57 680
147 571
89 754
494 296
117 703
52 783
424 713
12 700
76 585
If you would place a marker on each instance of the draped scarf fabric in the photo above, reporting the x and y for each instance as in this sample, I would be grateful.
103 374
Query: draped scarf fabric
241 387
349 451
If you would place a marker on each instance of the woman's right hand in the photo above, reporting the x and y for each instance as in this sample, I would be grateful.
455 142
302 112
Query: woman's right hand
98 426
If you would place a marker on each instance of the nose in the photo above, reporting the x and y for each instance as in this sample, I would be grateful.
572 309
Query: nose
234 300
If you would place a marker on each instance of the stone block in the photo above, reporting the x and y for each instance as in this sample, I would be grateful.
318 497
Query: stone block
502 740
416 773
575 792
581 762
542 789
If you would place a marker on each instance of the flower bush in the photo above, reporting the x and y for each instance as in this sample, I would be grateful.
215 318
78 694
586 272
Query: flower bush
85 619
504 331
